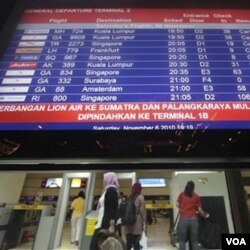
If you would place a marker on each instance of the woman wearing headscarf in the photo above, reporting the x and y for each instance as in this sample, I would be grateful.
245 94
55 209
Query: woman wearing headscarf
134 232
107 208
189 204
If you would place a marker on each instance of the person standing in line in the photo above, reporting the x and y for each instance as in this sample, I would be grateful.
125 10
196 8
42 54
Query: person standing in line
134 232
77 207
154 210
107 208
189 204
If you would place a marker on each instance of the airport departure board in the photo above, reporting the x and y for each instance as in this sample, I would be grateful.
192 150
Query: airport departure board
127 69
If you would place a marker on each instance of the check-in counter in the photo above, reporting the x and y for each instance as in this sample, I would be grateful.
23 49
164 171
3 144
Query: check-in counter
5 212
89 228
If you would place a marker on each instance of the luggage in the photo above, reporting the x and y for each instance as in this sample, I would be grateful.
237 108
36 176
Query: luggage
109 241
144 241
174 232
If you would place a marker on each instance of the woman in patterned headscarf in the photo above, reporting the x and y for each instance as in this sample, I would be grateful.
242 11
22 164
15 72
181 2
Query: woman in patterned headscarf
107 207
134 232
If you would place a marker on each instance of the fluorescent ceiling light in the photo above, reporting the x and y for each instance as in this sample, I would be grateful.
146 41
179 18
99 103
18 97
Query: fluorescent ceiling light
194 172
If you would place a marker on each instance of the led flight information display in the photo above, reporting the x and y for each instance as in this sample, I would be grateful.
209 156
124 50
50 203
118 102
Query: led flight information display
127 69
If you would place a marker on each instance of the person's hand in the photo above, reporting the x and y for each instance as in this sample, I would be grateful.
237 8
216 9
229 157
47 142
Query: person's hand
111 229
206 215
203 213
144 228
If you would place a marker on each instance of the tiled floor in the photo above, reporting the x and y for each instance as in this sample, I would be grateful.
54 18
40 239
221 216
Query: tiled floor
157 233
158 236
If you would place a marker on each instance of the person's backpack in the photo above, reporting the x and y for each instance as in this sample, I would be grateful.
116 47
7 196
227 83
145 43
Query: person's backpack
127 211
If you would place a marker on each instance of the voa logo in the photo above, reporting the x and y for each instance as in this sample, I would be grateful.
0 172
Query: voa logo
236 241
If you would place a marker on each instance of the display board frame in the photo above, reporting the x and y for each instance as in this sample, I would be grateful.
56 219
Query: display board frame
98 143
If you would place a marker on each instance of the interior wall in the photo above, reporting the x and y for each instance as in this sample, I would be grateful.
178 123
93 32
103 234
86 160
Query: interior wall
11 186
246 174
33 184
125 185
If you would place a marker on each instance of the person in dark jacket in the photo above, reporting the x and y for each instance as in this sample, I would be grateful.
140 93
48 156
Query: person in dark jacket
107 208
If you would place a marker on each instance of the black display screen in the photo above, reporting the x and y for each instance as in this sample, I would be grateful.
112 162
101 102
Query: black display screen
127 69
